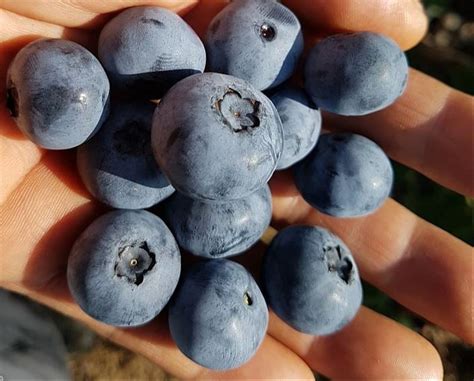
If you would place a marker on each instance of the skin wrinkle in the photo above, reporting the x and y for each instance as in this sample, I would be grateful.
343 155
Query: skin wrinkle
47 202
435 134
297 205
422 114
405 242
16 167
441 130
430 135
19 157
351 15
85 14
16 25
77 6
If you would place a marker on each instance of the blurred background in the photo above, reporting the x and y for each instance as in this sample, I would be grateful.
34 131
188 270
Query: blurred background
74 352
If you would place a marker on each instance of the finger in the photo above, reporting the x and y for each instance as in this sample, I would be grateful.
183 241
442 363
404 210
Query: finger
360 350
273 361
416 263
17 31
18 155
84 13
341 15
41 219
402 20
370 347
154 342
430 128
48 211
203 13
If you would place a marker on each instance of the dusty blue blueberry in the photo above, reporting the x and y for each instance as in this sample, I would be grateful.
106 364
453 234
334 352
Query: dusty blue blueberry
117 165
218 316
124 267
146 50
219 229
57 92
346 175
310 280
258 41
216 138
355 74
301 122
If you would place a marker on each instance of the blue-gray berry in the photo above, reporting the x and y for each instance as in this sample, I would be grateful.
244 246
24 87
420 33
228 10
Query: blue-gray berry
258 41
311 280
57 92
216 137
124 267
346 175
117 165
218 316
355 74
146 50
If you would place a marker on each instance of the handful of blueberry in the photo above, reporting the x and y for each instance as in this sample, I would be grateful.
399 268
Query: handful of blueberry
206 152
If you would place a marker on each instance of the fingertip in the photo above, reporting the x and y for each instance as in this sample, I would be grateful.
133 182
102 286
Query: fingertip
362 350
433 365
87 14
405 21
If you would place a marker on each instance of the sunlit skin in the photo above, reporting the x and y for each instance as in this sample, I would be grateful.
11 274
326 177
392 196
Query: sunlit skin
43 206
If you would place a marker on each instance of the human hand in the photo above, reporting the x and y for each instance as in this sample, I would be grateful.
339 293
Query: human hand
43 206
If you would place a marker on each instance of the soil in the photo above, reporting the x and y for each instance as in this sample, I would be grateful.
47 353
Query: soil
106 361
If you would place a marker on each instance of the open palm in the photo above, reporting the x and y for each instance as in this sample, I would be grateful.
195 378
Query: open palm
43 206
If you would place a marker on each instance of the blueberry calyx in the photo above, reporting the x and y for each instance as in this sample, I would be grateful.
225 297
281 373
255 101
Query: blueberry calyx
248 299
267 32
134 262
337 263
133 139
241 114
12 101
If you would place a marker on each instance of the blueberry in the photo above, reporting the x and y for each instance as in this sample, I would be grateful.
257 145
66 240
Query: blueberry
218 316
57 92
311 280
117 165
301 124
146 50
355 74
219 229
346 175
124 267
216 137
258 41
